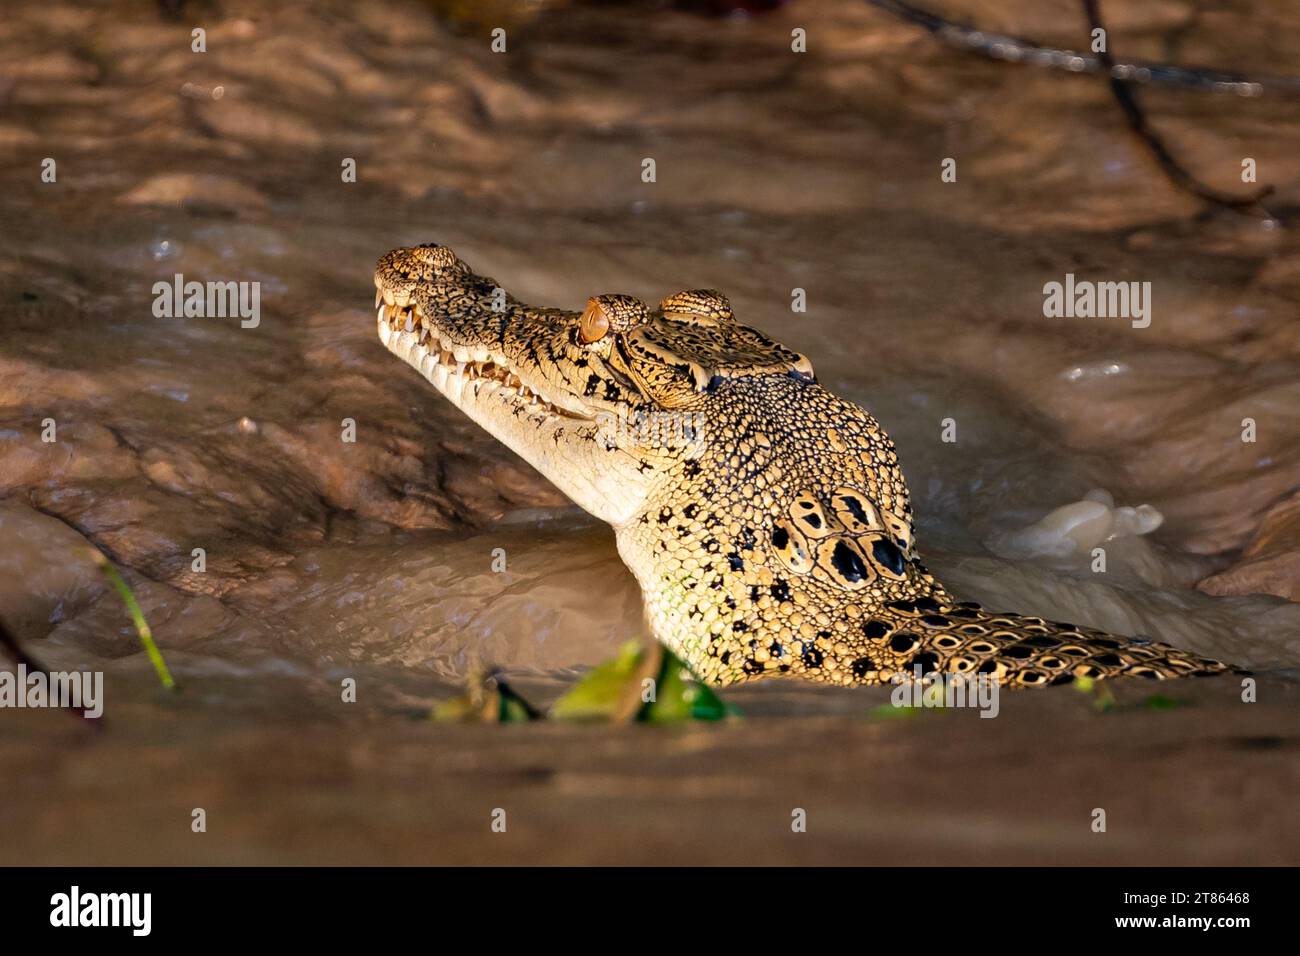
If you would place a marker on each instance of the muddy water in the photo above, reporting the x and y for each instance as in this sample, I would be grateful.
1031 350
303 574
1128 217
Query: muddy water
775 171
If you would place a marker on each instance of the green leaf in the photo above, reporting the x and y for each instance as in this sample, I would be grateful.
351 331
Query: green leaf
488 700
1102 698
608 691
891 712
678 696
614 691
1161 702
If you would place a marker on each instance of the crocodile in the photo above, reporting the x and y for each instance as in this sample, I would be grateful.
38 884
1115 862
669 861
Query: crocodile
766 519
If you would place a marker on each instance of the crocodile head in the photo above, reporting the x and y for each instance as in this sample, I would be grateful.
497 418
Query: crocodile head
766 519
602 402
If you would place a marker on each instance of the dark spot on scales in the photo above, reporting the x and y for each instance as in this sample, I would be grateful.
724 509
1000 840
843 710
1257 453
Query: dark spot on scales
927 661
875 629
847 562
855 508
888 555
1041 640
902 643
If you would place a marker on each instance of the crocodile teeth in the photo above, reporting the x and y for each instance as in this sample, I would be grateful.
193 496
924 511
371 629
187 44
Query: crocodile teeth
379 297
380 314
410 323
460 368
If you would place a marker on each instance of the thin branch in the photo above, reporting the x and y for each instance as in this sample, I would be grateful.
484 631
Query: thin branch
1000 46
1137 121
1121 77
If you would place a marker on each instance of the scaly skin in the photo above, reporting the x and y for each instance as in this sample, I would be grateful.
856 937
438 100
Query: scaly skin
765 519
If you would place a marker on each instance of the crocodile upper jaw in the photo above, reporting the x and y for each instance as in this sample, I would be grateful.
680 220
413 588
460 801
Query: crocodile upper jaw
566 444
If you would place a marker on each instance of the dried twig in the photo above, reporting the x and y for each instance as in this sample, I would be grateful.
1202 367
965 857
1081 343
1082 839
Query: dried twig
1137 121
1000 46
1121 76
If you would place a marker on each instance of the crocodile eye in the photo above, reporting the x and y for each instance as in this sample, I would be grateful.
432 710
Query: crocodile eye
594 324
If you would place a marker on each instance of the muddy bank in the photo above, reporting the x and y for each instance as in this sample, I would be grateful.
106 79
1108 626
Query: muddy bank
1208 783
